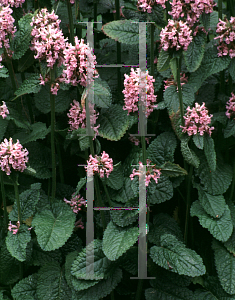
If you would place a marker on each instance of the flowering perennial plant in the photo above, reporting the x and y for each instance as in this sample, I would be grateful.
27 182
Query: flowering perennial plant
7 28
132 90
147 5
14 228
76 202
12 3
177 35
103 165
76 60
197 120
170 81
151 172
4 110
230 106
12 155
226 31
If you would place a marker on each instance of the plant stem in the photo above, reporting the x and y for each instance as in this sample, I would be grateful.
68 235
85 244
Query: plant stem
71 27
180 91
95 20
139 290
11 72
52 99
29 103
188 204
100 202
78 29
220 8
119 57
4 200
230 84
60 162
106 192
17 199
168 8
152 29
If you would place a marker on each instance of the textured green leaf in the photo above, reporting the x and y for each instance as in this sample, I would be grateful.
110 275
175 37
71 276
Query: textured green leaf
198 140
115 179
54 227
225 266
25 288
230 243
172 170
113 122
51 283
215 182
123 31
102 266
3 127
80 184
210 64
126 193
4 72
183 261
170 292
231 68
102 289
212 284
230 129
160 192
28 201
171 98
209 150
102 94
15 116
29 85
194 54
81 284
173 65
188 95
124 217
162 148
68 263
17 243
221 228
117 241
163 62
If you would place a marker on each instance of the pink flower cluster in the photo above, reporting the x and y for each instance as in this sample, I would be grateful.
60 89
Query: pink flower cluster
102 165
4 110
191 10
12 3
176 34
151 172
76 59
48 41
197 120
147 5
77 117
76 202
132 90
14 228
226 31
14 155
7 28
136 141
230 106
79 224
170 81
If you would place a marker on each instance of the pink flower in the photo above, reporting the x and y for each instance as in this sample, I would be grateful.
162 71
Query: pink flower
7 28
226 31
102 165
79 224
12 155
151 172
197 120
76 60
76 202
230 106
16 227
3 110
77 117
177 35
136 141
170 81
147 5
12 3
131 92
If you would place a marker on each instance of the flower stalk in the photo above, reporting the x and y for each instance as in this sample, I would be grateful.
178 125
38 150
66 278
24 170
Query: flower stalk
71 27
52 99
180 91
4 200
188 204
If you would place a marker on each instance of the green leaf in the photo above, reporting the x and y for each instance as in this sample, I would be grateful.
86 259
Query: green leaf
113 122
162 148
4 72
116 240
54 227
160 192
230 129
3 127
80 184
195 52
17 243
172 170
173 65
171 98
51 283
28 201
163 62
210 64
101 265
231 68
188 95
183 261
169 292
225 266
23 36
221 228
29 85
198 140
115 179
124 217
25 288
102 94
209 150
212 284
230 243
19 121
123 31
125 194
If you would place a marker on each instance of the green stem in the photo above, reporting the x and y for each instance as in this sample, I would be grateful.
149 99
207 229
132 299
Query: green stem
4 200
71 27
139 295
60 162
220 9
11 72
119 51
95 20
29 102
78 29
188 204
100 202
17 199
233 183
231 8
222 72
106 192
52 99
180 91
230 84
152 28
168 8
